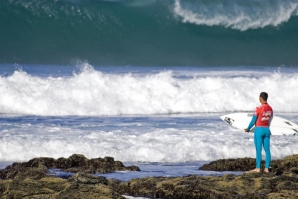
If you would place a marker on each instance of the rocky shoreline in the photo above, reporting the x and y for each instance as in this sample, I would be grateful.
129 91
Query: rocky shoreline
32 180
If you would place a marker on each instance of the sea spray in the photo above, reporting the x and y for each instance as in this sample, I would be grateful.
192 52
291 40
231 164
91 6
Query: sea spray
176 138
95 93
240 15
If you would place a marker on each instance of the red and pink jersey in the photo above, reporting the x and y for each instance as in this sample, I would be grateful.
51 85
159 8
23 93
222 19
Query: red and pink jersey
264 114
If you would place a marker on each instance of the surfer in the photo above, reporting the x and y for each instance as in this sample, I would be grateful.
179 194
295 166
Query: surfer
261 119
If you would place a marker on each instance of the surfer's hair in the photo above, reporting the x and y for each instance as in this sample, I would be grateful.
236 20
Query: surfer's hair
264 96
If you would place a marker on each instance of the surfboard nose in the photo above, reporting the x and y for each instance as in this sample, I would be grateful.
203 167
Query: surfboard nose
223 117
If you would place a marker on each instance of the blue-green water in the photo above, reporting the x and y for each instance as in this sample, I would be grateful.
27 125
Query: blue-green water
150 33
143 81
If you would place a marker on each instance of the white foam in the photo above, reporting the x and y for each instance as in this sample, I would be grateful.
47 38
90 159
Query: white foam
241 15
181 143
93 93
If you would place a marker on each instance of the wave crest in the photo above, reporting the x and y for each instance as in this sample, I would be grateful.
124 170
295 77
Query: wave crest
240 15
92 92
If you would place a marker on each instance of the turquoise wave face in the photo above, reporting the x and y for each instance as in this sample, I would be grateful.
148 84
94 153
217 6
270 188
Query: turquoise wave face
152 32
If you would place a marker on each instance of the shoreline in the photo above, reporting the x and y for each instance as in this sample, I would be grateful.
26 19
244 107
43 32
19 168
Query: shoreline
31 180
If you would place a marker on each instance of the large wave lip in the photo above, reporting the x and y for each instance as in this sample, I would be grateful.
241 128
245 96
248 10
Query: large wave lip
241 15
91 92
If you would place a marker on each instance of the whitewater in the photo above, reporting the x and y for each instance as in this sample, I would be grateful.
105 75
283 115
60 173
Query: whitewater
239 15
138 114
144 81
89 92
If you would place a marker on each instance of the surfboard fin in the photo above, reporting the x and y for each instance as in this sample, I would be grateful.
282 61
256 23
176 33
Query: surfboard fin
289 123
229 120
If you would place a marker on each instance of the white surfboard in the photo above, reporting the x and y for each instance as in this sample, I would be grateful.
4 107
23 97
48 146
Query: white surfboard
279 126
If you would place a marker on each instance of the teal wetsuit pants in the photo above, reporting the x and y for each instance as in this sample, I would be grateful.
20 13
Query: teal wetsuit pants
262 138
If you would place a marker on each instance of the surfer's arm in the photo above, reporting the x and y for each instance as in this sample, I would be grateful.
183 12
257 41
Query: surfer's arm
252 122
270 121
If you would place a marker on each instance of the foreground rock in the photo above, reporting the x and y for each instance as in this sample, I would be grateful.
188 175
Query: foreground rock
239 164
245 186
75 163
282 182
79 186
31 181
289 163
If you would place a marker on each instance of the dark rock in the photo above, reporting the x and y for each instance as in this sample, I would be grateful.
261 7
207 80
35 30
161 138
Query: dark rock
289 162
86 178
246 164
37 167
29 180
20 170
81 185
245 186
239 164
294 170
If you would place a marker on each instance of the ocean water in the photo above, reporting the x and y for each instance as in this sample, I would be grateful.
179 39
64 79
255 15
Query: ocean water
150 32
143 81
163 119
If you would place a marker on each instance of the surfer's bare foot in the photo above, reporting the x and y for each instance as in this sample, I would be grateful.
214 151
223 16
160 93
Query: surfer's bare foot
254 171
266 171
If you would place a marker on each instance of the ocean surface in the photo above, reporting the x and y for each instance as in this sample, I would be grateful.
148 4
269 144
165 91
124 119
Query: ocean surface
143 81
150 32
163 119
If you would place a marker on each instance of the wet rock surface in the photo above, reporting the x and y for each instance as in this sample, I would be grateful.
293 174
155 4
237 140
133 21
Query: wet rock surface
246 164
31 181
242 164
239 164
80 185
75 163
245 186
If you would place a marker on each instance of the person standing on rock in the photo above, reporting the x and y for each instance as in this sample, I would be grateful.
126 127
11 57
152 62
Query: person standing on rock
262 117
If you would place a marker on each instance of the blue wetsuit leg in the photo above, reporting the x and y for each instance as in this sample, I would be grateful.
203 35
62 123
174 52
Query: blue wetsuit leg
262 138
266 144
258 146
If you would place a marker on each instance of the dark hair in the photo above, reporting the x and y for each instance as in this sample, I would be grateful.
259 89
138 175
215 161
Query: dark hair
264 96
